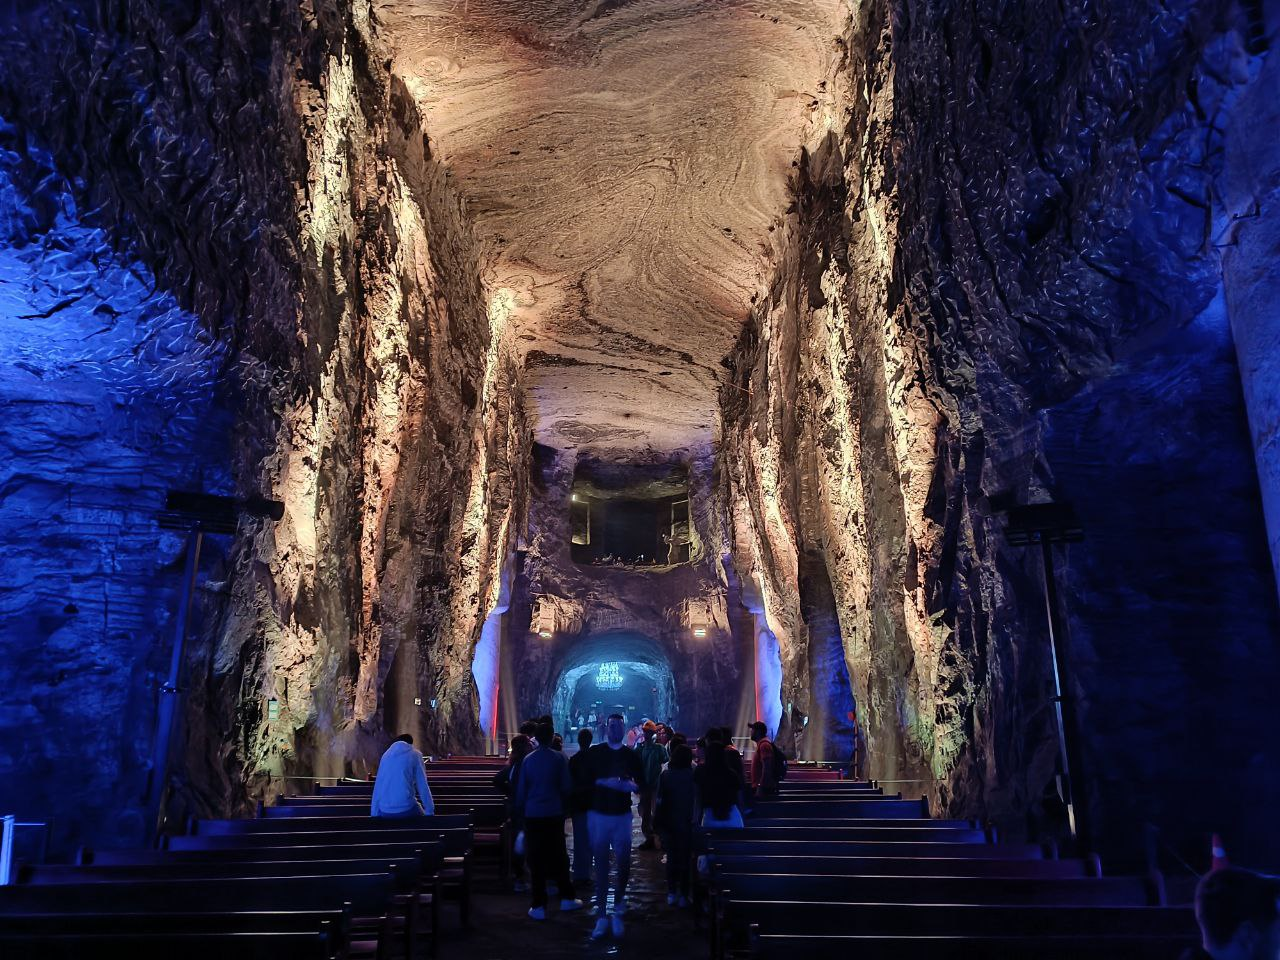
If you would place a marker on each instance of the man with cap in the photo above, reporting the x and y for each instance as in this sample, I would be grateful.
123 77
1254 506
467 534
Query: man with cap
653 755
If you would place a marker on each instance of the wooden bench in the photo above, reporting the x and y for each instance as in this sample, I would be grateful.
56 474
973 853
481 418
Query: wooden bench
455 874
1078 891
862 822
725 842
901 866
896 834
166 946
370 898
1097 947
905 919
881 807
304 824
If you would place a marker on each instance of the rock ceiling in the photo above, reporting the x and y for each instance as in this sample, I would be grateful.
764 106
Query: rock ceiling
625 160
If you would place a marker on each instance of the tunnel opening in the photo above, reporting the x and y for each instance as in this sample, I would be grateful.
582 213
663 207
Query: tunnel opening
622 672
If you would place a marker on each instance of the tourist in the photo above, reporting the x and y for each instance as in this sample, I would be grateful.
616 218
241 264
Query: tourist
764 780
579 805
1238 915
674 817
615 774
544 786
506 781
653 756
400 789
719 788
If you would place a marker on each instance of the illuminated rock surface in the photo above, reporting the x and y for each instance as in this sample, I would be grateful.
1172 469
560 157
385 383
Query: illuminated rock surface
868 273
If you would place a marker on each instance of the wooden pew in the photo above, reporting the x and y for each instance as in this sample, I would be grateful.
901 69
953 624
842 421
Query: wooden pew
406 870
371 898
1092 891
861 822
1096 947
881 807
304 824
897 834
905 919
900 866
167 946
725 843
455 875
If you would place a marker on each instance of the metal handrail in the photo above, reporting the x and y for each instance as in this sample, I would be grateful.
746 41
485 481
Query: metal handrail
8 827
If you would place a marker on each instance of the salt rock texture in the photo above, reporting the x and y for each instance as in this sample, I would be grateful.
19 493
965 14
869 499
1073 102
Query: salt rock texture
109 394
264 162
1010 231
627 160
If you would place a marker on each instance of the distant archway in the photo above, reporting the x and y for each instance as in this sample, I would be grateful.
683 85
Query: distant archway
645 684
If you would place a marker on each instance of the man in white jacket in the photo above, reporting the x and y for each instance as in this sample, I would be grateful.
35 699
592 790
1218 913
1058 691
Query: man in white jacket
400 789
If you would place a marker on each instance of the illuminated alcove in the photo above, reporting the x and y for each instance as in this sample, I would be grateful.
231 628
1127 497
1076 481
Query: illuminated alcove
646 689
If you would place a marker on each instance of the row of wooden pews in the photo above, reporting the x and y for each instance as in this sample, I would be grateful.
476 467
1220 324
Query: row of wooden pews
841 869
460 787
323 887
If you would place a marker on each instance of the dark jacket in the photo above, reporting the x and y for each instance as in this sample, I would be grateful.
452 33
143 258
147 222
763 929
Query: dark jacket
583 785
675 800
543 785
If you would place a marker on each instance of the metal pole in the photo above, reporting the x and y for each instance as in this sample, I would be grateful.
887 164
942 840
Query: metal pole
1064 703
6 850
171 691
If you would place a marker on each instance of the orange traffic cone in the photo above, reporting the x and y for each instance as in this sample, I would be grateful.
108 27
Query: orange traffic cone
1219 853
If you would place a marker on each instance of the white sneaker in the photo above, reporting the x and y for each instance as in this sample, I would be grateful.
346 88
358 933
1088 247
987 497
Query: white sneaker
617 925
567 905
601 928
672 899
537 913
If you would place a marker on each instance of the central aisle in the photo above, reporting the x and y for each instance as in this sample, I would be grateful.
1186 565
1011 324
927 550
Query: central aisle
502 931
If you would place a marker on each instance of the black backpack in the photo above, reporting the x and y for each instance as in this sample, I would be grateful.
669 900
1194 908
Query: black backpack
779 764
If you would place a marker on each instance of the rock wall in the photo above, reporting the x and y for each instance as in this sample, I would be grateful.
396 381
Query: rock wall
998 210
262 159
109 395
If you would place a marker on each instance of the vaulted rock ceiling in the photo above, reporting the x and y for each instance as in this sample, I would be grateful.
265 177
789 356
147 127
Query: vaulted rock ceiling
625 161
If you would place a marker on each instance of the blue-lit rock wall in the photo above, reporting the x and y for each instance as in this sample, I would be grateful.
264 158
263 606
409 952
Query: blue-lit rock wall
1002 280
109 394
276 180
1173 612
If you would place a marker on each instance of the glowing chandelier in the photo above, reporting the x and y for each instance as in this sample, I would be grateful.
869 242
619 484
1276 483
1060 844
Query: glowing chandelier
609 677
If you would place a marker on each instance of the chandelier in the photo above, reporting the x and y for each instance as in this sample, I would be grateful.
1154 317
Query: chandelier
609 677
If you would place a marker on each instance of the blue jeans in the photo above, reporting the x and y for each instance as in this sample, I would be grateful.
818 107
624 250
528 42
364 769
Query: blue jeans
610 832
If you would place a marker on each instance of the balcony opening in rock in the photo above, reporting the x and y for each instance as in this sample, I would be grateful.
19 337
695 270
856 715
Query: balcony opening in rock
618 518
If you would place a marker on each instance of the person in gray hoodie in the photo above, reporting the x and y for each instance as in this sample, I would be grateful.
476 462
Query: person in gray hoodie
541 797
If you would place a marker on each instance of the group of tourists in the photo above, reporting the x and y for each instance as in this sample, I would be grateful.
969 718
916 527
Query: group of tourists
679 785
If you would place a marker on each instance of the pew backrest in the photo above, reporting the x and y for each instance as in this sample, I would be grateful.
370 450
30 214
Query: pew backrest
1100 891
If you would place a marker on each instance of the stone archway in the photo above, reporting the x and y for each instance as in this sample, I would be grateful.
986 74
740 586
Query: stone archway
649 686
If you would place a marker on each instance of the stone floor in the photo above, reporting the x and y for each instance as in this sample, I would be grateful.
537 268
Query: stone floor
502 931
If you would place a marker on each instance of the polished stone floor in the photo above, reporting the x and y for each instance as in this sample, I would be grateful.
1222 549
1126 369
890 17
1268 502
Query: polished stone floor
502 931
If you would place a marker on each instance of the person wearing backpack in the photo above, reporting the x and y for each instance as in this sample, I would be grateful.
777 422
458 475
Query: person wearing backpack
764 774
